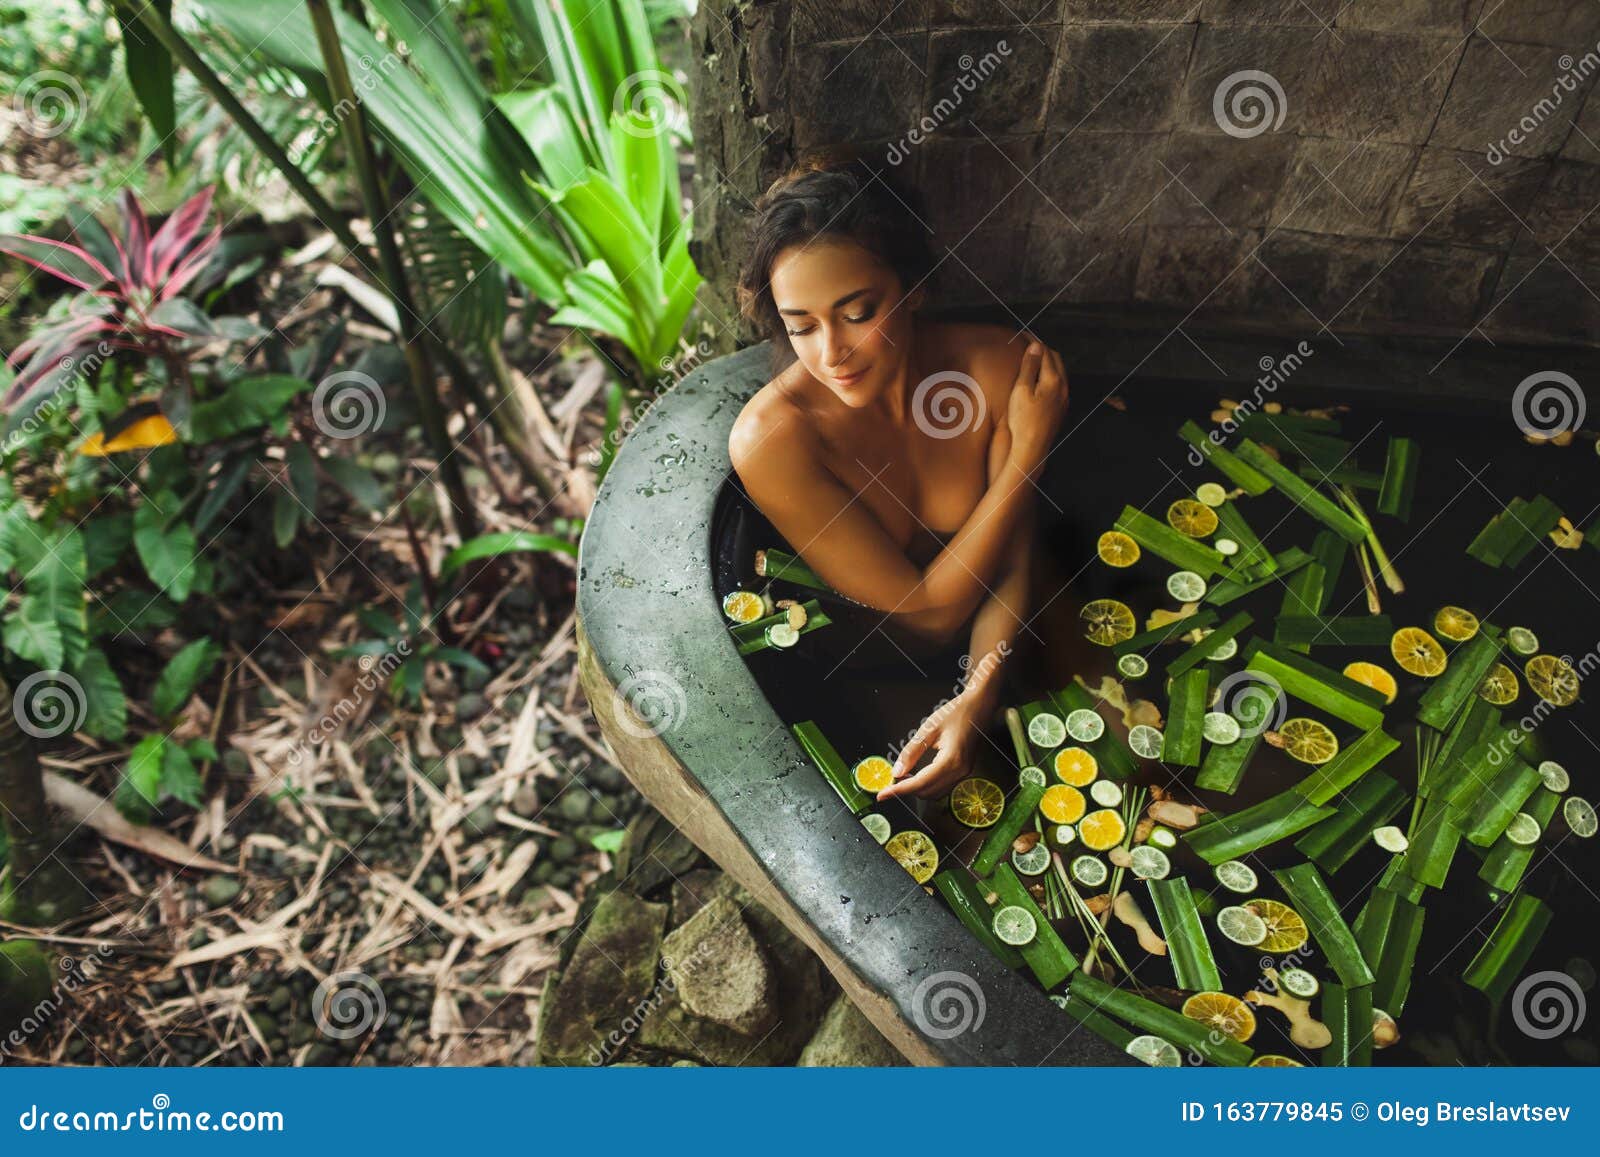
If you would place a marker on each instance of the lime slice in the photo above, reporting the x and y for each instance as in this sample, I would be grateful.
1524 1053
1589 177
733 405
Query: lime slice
1523 829
1237 876
1225 546
1164 838
1015 925
1211 493
1058 1000
1299 982
1133 666
1085 725
1145 741
1220 727
1105 793
743 606
1032 775
1046 731
1033 862
1090 871
1242 926
1227 650
1152 864
1186 586
1065 834
1554 775
1390 838
874 773
1579 814
781 635
877 827
1155 1051
1522 641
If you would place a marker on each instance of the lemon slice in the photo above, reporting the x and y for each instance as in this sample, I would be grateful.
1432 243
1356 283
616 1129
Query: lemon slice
1221 728
1046 730
1102 830
1374 676
1157 1052
1190 517
1417 652
1299 982
1308 740
1286 930
1117 549
877 827
1033 862
1015 925
1455 623
874 773
1522 641
1236 876
1105 793
1090 871
1186 586
914 852
1552 680
1523 830
743 606
1062 804
1227 1014
977 803
1275 1061
1211 493
1242 926
1500 686
1108 622
1555 776
1085 725
1228 649
1579 814
1133 666
1144 741
1076 766
1149 863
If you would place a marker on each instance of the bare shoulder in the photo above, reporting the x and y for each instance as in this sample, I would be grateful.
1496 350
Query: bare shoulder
771 429
990 353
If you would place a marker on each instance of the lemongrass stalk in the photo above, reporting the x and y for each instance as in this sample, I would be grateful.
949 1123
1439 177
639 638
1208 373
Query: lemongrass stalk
1368 582
1391 577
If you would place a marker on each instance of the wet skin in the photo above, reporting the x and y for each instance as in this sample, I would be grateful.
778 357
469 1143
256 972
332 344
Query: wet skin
867 477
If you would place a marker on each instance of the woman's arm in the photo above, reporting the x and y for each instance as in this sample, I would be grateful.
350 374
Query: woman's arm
843 542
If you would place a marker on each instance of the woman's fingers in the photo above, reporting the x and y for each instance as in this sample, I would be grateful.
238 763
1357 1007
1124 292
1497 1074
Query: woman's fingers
1032 359
911 752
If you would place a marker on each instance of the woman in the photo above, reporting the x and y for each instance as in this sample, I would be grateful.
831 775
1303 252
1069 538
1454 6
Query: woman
897 455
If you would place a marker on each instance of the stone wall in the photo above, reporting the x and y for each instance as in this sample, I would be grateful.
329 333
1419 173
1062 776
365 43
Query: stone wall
1420 167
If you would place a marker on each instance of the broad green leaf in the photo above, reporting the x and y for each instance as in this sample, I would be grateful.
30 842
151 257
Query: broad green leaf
247 403
183 673
142 773
285 516
167 552
149 68
31 634
106 707
202 748
105 537
490 545
456 657
357 481
179 777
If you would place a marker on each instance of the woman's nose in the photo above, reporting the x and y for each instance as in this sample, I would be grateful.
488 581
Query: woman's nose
834 352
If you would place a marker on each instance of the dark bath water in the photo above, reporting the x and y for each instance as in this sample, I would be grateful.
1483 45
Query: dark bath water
867 696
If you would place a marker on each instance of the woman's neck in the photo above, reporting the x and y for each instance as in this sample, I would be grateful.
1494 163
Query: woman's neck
893 405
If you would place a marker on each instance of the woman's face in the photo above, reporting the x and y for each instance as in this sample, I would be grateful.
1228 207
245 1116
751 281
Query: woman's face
846 314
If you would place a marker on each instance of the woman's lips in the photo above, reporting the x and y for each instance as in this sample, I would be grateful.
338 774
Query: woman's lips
849 379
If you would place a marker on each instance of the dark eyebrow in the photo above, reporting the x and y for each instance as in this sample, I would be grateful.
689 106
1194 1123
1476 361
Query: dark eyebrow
845 300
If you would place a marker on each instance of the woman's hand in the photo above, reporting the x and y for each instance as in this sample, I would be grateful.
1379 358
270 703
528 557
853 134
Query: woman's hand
953 732
1038 402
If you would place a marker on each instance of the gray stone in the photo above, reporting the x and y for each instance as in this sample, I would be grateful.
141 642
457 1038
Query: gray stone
1427 285
1133 11
1453 16
1385 86
1565 217
985 81
220 890
1091 265
847 1039
719 970
1210 179
1456 196
1097 179
594 1005
1561 23
1205 266
525 801
1120 78
967 183
1584 142
1287 55
867 90
1344 187
1313 13
1504 87
815 20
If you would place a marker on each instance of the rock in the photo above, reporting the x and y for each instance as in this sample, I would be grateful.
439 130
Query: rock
719 970
596 1002
574 805
220 890
846 1039
563 848
482 819
525 802
471 705
692 891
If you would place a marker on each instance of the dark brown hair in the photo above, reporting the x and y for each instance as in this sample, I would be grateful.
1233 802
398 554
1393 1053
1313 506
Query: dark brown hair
831 196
